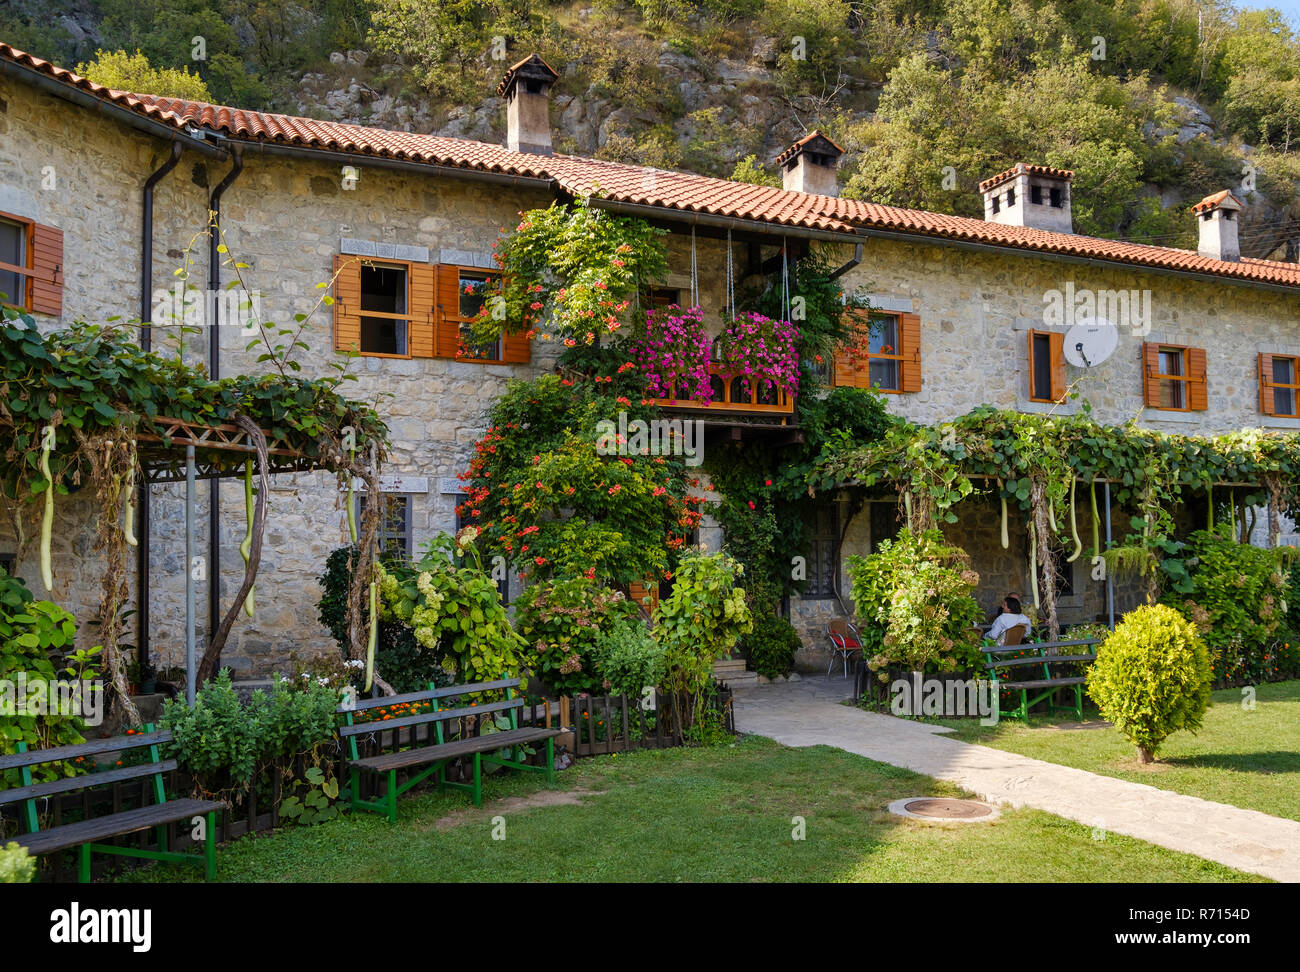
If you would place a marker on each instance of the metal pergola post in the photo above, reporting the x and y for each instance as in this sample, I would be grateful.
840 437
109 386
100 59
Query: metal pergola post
1110 583
190 671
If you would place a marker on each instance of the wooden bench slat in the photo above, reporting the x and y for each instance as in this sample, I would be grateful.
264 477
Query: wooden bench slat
460 747
475 688
70 783
383 700
418 720
1042 683
1040 660
34 757
115 825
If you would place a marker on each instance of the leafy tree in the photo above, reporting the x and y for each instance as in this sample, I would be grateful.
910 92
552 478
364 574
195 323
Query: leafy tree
133 72
750 170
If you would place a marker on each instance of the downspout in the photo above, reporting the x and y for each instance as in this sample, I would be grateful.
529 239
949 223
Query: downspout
146 342
214 372
841 271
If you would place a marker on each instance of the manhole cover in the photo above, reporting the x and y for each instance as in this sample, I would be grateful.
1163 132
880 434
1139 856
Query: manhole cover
941 809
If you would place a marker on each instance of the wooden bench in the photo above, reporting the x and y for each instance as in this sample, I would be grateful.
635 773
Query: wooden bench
434 758
87 834
1043 655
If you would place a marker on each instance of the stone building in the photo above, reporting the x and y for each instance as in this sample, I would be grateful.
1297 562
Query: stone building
104 193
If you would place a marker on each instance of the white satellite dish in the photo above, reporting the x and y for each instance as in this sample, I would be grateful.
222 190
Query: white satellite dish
1088 345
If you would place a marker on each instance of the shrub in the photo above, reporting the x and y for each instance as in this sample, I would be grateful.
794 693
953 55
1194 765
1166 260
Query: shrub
1237 601
16 866
1152 677
629 659
770 648
914 599
563 621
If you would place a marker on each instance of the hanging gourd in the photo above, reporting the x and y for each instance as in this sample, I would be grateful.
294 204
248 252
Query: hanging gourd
246 548
1096 520
47 518
1074 526
1006 537
128 515
1033 559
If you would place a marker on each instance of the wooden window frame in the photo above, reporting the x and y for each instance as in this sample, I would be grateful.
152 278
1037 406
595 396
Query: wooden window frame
407 537
501 340
1185 377
866 357
408 316
1057 387
1267 384
29 257
814 538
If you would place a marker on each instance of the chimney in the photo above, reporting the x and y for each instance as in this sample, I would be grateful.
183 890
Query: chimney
1037 196
1216 217
527 89
809 165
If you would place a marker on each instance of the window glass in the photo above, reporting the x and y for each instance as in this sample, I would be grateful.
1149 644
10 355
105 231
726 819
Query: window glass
1042 390
383 291
884 523
475 289
13 249
1172 393
394 526
883 340
822 561
1284 399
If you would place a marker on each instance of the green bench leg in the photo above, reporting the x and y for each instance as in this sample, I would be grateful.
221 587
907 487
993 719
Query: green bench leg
550 759
478 779
83 864
210 847
392 796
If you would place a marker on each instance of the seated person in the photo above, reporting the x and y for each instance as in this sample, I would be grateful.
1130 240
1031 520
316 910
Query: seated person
1009 618
998 611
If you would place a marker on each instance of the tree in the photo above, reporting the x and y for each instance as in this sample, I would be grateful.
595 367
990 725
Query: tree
133 72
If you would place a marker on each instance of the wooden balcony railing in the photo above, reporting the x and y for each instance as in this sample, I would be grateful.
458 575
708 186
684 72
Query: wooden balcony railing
729 395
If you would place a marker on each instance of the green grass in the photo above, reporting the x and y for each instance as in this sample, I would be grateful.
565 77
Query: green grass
714 814
1248 759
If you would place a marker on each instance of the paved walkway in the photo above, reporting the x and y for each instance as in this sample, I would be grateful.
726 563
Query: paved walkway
809 713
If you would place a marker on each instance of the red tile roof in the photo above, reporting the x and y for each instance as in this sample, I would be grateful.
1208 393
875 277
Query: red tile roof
1023 168
680 191
1214 199
793 150
536 68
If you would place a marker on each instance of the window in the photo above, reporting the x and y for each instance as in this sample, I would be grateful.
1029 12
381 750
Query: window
823 560
1064 573
884 522
13 263
656 297
1036 195
1046 366
1175 378
1056 197
997 207
885 356
1011 198
1279 385
474 288
7 563
384 309
394 525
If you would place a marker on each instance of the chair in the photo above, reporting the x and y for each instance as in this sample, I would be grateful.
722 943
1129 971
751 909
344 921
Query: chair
1015 635
845 642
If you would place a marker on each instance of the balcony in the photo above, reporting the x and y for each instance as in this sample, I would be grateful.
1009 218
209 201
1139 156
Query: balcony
729 398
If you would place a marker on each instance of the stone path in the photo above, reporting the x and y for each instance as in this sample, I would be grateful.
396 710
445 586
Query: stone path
809 713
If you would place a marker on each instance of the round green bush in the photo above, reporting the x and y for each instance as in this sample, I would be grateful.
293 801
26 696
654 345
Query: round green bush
771 647
1152 677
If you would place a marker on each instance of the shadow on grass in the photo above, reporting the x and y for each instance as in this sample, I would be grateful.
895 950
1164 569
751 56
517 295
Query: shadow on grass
1267 763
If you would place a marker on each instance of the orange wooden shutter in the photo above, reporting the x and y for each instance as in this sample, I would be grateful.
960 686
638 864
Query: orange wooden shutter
515 348
1198 384
47 270
423 309
347 303
1056 344
909 344
1266 404
446 312
1150 369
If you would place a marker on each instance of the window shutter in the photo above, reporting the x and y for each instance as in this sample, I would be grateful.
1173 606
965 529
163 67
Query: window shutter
423 310
446 312
1151 368
1198 385
47 270
1266 385
844 376
515 348
1056 344
909 343
347 303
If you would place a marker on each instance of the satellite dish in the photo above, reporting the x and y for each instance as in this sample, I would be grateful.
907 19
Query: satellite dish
1088 345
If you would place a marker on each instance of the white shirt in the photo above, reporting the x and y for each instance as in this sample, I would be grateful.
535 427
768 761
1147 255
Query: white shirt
1003 622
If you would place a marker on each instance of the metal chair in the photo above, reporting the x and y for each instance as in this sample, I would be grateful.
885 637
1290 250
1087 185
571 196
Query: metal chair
845 642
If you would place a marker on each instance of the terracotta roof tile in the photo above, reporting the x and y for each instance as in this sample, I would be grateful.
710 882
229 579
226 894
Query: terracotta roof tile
796 146
681 191
1024 168
1212 200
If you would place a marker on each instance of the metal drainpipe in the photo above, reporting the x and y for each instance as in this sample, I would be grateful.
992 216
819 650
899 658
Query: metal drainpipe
146 342
214 372
1110 584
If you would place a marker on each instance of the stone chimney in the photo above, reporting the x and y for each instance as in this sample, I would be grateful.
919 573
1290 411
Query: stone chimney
527 91
1216 217
809 165
1030 195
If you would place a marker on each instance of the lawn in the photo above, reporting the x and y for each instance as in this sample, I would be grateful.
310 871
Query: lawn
712 814
1246 758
